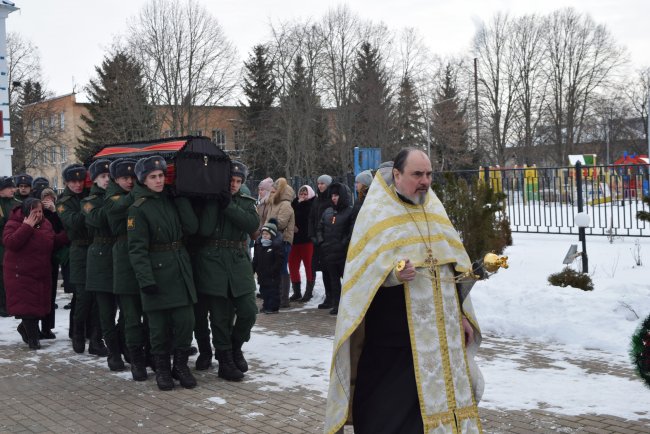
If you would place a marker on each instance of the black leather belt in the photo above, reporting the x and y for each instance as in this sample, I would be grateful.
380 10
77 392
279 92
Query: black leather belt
80 243
103 240
228 244
176 245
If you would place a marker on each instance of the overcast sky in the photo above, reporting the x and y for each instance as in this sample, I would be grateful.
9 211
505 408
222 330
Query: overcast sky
72 35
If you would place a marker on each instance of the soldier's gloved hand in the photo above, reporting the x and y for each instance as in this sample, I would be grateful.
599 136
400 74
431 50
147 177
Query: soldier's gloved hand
224 199
150 289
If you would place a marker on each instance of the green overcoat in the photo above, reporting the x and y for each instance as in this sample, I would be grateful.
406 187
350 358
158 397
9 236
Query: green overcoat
219 266
69 209
156 250
99 263
116 205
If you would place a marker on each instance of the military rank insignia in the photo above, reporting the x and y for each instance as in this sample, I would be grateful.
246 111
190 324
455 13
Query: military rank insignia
115 197
88 207
130 223
60 209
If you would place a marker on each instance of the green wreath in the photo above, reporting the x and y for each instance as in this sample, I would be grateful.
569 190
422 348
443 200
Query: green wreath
640 351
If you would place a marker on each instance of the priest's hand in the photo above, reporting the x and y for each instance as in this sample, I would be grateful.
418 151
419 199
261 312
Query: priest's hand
407 273
469 331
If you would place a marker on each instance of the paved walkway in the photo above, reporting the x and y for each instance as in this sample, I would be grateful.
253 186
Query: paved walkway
55 390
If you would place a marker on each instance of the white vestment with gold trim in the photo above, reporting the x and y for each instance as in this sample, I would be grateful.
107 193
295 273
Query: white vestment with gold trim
448 381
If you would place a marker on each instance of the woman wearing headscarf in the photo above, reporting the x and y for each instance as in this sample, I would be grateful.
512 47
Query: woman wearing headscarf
302 248
29 241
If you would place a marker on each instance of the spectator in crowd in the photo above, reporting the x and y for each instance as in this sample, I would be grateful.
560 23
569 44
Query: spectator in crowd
267 263
361 184
281 196
29 241
302 248
48 199
24 186
333 235
263 205
321 203
7 203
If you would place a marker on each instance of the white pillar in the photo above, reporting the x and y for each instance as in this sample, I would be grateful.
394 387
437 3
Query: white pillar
6 151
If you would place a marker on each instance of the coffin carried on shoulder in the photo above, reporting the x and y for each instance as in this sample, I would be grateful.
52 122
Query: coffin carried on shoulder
195 165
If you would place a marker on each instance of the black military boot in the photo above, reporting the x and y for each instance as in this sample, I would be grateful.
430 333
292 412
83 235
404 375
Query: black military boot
114 359
335 305
163 372
96 345
238 357
227 369
138 364
181 371
297 295
79 337
204 361
31 327
309 291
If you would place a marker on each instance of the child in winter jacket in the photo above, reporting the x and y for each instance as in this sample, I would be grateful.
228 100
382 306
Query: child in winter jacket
267 263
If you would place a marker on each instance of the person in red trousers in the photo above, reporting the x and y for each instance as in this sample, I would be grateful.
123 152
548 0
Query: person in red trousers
302 249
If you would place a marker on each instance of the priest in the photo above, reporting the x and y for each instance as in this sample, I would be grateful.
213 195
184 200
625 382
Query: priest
406 334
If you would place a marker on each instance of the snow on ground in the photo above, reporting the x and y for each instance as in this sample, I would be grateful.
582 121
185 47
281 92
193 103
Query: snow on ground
566 327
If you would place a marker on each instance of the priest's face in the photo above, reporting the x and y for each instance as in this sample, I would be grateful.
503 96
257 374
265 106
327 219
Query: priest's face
415 180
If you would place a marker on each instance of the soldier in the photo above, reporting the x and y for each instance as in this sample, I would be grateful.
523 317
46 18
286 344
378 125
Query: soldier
125 285
24 184
69 209
163 270
7 203
224 276
99 264
38 185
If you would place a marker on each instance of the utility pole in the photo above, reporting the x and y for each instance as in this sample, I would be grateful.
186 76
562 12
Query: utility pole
476 101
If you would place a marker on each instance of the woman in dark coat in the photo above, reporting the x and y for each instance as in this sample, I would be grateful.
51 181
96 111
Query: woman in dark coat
29 240
333 235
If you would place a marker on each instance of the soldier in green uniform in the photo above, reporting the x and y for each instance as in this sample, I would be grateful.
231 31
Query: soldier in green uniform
224 276
99 263
163 270
69 209
125 286
24 186
7 203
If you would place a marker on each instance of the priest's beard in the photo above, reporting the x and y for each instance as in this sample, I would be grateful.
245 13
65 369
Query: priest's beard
417 199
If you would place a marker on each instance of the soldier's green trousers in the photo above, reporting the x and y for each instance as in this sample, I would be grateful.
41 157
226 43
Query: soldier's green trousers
171 329
222 312
134 326
107 305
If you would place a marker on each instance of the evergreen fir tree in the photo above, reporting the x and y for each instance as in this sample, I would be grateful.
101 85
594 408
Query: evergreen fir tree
449 127
372 108
644 215
303 124
257 129
409 120
119 109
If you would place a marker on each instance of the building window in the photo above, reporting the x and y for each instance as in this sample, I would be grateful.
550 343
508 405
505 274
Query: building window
239 139
219 138
170 133
64 154
53 154
52 121
62 121
197 132
41 122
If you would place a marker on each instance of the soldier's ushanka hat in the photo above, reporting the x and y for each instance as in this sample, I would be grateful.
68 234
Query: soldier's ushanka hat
146 165
74 172
24 179
40 183
237 168
6 182
122 167
98 167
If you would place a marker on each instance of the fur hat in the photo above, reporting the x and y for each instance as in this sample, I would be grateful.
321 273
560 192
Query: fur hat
266 184
271 227
7 182
146 165
122 167
325 179
364 178
40 182
98 167
24 179
237 168
74 172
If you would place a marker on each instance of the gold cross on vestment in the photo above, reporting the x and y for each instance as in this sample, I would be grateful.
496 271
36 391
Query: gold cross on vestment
431 263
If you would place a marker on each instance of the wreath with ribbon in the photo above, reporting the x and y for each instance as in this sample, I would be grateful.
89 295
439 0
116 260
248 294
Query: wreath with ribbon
640 351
